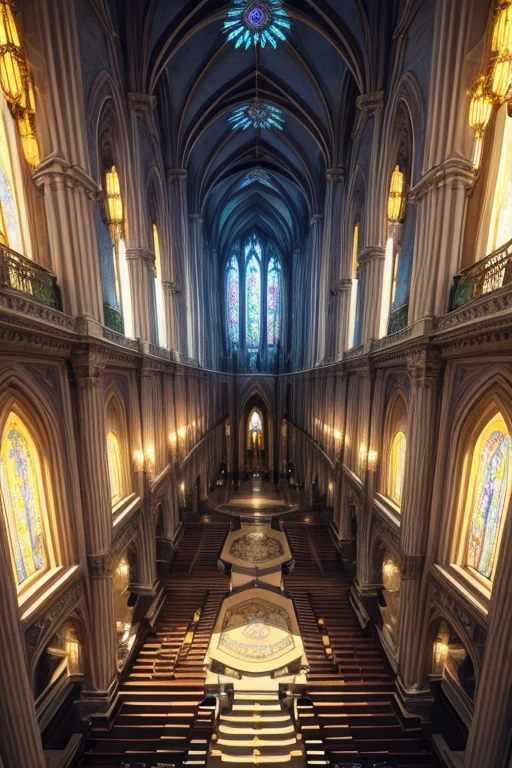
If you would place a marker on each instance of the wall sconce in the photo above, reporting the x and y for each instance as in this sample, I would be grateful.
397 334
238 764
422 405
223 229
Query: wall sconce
363 453
173 440
123 569
390 576
182 433
439 657
372 460
228 429
480 109
73 654
182 492
138 461
149 455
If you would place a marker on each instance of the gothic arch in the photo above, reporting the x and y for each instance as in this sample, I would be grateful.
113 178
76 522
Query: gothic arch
118 451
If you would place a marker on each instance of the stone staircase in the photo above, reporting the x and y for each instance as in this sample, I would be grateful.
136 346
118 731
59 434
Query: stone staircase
256 730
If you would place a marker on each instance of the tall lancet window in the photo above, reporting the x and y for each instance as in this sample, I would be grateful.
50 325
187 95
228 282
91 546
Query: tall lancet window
253 295
489 488
233 296
273 302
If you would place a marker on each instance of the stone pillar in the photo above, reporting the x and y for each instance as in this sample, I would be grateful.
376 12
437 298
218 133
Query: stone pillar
178 218
196 253
172 292
147 533
424 367
314 331
88 364
330 257
64 175
371 271
20 738
341 293
141 264
489 736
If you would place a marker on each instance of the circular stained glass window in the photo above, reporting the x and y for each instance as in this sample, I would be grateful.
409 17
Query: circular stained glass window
256 17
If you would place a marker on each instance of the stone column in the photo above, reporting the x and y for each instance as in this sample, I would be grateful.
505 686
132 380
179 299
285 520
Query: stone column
424 365
141 264
341 293
330 257
64 176
196 253
147 534
88 364
371 271
20 738
178 218
489 736
172 292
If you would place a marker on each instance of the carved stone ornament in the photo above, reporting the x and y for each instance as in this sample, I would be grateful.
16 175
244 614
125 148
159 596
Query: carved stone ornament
100 566
169 286
89 362
342 286
424 364
334 175
177 174
371 253
411 566
453 172
142 104
315 219
389 536
370 103
55 172
42 628
140 254
457 615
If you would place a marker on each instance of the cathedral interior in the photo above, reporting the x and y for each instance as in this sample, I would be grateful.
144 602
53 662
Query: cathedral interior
255 383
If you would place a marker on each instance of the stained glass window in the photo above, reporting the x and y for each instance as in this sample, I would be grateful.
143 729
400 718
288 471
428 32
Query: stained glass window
253 297
397 466
233 301
490 491
115 468
9 220
23 499
273 302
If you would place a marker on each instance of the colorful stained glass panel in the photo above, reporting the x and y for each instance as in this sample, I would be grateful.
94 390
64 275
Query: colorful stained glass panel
20 480
233 301
397 466
273 302
491 491
253 303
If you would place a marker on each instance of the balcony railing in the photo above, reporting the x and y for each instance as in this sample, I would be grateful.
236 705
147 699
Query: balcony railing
113 319
22 274
485 276
398 319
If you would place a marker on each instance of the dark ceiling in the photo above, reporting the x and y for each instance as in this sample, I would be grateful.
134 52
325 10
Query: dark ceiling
199 78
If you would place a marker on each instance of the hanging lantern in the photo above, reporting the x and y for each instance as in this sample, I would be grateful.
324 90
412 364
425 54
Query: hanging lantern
501 75
502 30
114 203
480 107
8 31
28 139
27 100
12 75
396 196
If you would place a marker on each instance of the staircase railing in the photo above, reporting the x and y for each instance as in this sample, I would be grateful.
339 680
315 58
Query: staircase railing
185 644
488 274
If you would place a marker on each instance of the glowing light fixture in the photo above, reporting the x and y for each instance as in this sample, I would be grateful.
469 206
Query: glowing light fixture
502 30
28 138
480 107
396 198
257 114
502 75
390 576
13 69
439 657
257 23
114 203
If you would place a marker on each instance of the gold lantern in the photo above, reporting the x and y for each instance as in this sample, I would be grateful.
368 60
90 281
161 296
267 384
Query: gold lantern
13 69
501 75
28 138
502 30
8 32
114 203
480 107
396 198
27 100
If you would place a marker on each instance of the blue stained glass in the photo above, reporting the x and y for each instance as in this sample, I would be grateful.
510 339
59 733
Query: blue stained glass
233 301
273 302
256 114
257 23
253 301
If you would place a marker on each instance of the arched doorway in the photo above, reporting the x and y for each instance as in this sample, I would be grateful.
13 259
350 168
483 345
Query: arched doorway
255 440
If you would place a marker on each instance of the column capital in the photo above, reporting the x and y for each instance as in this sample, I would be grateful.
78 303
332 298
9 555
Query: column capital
55 172
371 253
140 254
424 365
334 175
452 172
177 174
169 286
100 566
315 219
342 286
196 218
369 103
141 103
411 566
88 363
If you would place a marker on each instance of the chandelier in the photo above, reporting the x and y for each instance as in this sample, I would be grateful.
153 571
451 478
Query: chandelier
257 23
257 114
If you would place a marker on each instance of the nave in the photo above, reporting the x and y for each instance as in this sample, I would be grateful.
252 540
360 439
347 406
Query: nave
348 713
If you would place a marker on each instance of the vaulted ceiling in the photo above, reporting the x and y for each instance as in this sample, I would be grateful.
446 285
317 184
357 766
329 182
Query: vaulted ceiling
178 51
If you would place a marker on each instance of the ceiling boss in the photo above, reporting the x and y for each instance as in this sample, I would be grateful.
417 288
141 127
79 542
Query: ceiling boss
257 23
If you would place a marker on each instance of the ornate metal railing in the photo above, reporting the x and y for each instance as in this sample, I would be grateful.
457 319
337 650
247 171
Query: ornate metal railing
22 274
398 319
485 276
113 319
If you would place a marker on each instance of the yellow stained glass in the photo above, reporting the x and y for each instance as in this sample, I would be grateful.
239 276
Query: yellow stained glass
115 468
355 251
397 466
23 499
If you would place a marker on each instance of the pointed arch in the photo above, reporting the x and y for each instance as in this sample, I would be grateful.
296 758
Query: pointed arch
117 446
